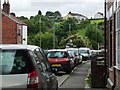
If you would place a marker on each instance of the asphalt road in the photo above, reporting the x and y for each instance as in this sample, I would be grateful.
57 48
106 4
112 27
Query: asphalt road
76 79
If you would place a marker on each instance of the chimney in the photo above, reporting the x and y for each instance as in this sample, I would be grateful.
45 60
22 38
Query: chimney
6 7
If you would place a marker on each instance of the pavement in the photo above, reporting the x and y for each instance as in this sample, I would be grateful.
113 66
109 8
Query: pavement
77 78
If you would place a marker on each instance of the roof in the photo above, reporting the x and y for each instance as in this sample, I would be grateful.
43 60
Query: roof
17 47
57 50
100 13
76 14
84 48
13 18
72 48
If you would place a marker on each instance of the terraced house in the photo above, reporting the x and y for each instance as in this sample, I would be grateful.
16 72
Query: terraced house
14 31
113 43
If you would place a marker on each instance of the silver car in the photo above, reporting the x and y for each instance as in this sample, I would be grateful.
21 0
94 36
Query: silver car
25 66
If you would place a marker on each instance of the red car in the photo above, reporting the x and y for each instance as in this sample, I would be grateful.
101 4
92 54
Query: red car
60 60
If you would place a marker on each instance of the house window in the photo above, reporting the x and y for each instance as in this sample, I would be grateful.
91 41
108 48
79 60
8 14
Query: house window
118 38
19 30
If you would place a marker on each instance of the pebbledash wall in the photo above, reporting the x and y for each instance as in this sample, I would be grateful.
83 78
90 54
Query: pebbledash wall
113 43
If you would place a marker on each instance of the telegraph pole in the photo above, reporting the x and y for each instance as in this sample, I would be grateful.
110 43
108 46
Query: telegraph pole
40 29
69 28
53 35
53 21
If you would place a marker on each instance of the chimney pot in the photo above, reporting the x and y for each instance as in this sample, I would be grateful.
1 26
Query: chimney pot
6 7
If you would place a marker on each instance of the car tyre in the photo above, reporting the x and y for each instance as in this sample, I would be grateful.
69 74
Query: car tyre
68 71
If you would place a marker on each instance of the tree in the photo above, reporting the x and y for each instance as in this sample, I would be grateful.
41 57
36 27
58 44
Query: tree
22 18
57 14
46 40
39 12
49 13
94 34
69 26
35 24
13 14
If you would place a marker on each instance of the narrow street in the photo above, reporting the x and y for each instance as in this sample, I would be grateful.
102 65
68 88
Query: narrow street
77 78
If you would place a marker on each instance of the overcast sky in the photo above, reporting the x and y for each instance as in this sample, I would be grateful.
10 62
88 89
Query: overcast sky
29 8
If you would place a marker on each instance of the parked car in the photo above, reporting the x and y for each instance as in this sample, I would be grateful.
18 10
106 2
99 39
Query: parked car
77 56
60 60
25 66
85 52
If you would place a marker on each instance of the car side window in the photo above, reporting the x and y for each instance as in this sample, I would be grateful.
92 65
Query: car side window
36 59
45 59
41 59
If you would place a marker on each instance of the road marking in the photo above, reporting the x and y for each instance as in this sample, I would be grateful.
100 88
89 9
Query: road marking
62 80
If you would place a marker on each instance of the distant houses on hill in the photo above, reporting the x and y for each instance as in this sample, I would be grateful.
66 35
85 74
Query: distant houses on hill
78 16
98 15
75 15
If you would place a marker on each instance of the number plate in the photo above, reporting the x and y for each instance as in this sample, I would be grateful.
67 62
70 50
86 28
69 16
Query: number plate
56 65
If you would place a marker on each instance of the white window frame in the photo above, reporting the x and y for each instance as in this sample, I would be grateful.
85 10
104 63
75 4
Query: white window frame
118 38
24 35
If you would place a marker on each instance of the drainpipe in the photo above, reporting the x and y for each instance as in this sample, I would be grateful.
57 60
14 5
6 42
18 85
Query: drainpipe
105 28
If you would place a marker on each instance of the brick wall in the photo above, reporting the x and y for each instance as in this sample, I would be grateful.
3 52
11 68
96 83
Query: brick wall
9 31
111 52
117 80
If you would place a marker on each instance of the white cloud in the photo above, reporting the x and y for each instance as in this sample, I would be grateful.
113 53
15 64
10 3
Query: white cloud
30 7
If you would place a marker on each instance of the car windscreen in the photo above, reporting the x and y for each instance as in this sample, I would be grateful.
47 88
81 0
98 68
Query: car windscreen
57 54
71 52
15 62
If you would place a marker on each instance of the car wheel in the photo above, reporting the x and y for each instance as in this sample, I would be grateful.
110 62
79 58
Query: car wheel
68 71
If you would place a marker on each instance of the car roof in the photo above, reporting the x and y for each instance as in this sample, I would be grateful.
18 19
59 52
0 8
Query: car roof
18 47
57 50
72 48
85 48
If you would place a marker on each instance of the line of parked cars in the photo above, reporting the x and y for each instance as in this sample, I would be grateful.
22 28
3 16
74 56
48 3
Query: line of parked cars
64 59
29 66
25 66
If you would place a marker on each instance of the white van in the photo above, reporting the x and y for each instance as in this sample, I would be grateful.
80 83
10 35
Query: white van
85 52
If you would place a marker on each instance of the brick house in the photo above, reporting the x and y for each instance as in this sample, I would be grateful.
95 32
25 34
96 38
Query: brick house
113 43
14 31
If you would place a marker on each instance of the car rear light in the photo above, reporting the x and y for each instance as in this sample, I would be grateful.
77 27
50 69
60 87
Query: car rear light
33 80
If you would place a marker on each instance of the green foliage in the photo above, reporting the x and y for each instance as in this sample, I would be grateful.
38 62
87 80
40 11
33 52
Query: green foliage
46 40
69 26
22 18
31 39
49 13
76 40
55 14
83 23
94 34
38 23
13 14
84 33
39 12
89 80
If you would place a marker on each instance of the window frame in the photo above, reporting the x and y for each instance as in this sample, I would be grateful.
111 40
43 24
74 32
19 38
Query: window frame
118 38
